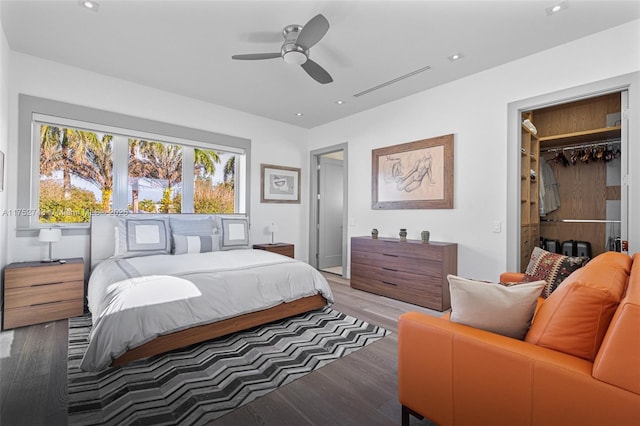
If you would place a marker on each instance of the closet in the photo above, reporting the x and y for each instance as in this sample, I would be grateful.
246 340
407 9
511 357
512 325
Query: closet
570 174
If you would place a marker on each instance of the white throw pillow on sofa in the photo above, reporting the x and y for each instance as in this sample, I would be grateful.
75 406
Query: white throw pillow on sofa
501 309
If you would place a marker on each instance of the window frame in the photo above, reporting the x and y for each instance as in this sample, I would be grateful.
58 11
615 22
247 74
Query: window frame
34 111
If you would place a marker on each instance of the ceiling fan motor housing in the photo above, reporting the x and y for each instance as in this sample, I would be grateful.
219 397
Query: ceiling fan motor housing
291 52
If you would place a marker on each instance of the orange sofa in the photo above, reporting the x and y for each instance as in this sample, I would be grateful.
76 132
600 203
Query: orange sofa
452 374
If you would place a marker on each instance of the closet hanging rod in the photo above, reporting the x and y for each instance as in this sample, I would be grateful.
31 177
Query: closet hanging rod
581 220
588 145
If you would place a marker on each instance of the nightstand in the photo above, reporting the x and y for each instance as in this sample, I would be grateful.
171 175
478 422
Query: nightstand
36 292
284 249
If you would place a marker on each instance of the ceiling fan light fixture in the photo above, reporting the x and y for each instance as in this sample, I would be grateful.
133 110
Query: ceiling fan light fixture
294 57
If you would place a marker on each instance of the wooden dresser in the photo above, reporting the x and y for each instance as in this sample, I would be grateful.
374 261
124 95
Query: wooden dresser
411 271
284 249
36 292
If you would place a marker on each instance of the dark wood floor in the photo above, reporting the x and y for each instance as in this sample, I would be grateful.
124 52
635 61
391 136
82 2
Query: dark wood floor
359 389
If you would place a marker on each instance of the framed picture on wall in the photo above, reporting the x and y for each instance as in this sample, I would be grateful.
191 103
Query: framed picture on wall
413 175
279 184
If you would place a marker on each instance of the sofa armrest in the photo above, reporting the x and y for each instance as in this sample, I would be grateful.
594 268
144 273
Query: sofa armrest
511 277
451 372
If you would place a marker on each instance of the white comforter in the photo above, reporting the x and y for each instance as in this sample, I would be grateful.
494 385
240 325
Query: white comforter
134 300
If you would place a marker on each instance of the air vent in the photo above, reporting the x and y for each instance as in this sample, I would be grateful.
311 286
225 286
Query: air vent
395 80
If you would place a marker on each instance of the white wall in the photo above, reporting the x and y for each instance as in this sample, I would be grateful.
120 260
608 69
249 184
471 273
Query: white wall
4 137
272 142
474 109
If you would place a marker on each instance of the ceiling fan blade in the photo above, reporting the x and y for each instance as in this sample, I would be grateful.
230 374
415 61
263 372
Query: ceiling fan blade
256 56
311 33
316 72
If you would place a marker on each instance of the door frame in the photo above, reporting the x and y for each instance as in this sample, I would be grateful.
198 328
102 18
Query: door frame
626 82
314 187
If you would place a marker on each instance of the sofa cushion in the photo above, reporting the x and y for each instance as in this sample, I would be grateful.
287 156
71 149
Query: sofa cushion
501 309
576 316
551 267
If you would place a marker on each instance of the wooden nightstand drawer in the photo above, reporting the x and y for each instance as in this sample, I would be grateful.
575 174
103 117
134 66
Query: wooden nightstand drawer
284 249
27 315
45 274
43 293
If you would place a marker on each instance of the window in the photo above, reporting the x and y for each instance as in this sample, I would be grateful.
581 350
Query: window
76 174
82 167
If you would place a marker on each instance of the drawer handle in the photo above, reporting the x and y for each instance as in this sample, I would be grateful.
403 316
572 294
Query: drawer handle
46 303
390 255
390 269
42 285
389 283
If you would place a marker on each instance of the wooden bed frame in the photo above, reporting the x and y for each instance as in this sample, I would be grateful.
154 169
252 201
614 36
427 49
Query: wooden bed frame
102 246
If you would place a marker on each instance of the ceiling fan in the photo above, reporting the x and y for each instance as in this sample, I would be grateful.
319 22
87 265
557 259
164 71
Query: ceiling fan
295 49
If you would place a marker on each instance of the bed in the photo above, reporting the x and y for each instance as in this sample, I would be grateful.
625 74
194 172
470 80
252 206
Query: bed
146 300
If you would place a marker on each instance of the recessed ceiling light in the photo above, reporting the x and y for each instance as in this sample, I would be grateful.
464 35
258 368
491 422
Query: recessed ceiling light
552 10
340 102
89 4
299 114
456 56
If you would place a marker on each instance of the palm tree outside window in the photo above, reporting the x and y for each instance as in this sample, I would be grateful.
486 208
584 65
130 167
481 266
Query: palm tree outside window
77 175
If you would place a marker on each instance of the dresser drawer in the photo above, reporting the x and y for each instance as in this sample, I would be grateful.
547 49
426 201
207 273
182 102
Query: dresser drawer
431 284
26 315
46 274
406 249
405 293
43 293
394 263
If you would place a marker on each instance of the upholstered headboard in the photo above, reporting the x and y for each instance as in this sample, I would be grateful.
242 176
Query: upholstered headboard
102 235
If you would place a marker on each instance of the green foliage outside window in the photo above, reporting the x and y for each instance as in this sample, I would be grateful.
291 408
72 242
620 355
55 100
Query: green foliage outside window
54 207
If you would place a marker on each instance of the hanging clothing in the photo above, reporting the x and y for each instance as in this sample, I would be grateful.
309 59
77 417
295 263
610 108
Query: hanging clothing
549 194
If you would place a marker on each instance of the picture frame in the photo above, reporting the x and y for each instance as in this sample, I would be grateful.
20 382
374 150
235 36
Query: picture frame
279 184
413 175
1 171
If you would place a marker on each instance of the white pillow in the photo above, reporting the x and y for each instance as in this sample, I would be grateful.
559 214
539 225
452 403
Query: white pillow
505 310
234 232
142 237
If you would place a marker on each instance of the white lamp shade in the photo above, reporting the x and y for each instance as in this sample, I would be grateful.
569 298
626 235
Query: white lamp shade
50 235
273 227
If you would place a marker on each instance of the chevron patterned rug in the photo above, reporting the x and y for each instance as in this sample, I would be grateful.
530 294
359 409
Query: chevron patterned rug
195 385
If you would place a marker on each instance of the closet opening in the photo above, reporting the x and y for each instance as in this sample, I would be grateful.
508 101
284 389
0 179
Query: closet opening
571 194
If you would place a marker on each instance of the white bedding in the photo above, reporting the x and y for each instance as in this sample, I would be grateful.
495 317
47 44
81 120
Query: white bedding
132 301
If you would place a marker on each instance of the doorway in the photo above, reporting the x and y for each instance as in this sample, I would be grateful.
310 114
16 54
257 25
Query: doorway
327 238
552 112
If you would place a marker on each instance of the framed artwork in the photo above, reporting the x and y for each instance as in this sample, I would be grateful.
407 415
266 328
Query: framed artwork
413 175
279 184
1 171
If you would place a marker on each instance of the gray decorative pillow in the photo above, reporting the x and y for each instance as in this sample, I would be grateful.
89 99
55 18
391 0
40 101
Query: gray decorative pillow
143 237
200 226
195 243
234 233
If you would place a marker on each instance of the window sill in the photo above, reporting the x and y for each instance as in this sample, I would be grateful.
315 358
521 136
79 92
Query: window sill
71 229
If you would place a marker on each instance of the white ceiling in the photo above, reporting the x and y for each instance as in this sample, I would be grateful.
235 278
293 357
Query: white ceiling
185 47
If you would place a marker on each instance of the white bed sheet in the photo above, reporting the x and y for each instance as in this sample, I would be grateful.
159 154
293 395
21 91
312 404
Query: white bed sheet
134 300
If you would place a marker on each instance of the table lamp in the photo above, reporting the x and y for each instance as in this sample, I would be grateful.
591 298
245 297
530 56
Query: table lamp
273 228
50 235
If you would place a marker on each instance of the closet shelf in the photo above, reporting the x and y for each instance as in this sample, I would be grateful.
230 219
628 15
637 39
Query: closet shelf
584 136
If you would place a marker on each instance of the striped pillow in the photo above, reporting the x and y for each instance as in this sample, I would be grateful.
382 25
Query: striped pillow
184 244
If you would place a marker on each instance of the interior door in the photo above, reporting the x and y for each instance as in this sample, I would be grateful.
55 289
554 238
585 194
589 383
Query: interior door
330 205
